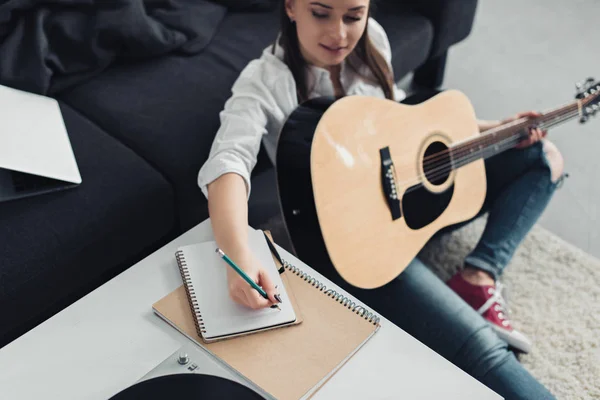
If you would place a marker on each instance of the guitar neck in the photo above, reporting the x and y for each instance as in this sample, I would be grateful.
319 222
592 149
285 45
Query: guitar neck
501 138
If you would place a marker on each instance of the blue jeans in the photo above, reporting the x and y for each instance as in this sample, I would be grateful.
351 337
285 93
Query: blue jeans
519 188
432 313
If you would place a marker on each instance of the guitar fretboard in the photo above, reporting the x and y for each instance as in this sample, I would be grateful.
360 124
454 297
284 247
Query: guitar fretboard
506 136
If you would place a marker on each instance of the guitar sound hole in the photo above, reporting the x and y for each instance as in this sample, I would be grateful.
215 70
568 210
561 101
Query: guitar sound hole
436 163
422 206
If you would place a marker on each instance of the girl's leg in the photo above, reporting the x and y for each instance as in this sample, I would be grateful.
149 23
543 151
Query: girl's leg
521 182
421 304
520 186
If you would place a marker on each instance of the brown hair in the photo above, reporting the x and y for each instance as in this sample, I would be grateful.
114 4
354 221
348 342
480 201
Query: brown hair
364 50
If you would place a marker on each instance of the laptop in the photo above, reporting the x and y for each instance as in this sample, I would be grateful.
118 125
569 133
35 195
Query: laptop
35 151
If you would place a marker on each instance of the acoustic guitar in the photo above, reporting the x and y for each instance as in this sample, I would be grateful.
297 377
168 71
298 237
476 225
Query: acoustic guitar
366 182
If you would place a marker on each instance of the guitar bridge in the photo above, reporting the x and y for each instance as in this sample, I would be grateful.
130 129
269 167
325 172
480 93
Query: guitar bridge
388 183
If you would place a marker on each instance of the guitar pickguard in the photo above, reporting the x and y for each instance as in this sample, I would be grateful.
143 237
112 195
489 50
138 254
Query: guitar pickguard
421 207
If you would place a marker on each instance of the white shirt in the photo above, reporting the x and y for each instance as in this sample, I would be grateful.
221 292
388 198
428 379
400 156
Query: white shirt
264 96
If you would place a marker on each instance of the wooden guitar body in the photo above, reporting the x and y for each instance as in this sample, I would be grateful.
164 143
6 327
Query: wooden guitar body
339 163
365 182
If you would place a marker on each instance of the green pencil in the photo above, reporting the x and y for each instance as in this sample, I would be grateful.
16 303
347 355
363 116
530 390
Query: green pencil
244 275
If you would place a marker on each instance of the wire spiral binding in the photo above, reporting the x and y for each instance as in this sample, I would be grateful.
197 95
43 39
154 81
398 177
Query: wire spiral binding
187 283
345 301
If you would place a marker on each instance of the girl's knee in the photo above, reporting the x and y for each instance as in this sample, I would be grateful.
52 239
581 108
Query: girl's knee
555 160
482 352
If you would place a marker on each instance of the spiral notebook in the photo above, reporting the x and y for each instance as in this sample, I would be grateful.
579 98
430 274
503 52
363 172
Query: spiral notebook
292 362
216 315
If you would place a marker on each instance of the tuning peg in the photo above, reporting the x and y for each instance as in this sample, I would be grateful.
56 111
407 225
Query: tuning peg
589 83
586 84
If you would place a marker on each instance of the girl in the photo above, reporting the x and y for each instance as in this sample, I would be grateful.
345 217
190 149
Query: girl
334 48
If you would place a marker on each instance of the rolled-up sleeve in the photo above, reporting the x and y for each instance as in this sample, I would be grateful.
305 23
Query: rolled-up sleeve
244 121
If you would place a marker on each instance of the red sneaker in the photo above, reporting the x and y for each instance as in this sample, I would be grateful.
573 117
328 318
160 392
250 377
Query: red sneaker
489 303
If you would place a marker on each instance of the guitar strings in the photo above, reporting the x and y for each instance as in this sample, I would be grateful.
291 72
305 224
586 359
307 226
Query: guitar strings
516 126
446 168
460 151
442 170
569 109
463 160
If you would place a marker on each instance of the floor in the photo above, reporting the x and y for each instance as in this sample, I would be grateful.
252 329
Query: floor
528 56
552 305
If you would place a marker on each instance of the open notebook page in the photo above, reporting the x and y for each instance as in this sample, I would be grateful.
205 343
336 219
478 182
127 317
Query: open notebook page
221 315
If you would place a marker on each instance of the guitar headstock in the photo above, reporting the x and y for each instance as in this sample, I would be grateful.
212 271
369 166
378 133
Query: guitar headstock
589 94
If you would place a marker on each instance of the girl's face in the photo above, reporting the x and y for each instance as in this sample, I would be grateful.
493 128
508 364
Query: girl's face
328 30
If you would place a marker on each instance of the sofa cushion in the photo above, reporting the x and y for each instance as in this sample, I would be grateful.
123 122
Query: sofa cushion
410 35
452 20
167 110
56 247
248 5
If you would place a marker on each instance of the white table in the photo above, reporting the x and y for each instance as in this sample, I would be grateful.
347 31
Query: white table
110 339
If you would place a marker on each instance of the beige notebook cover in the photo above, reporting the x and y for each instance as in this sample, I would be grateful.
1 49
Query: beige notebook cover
291 362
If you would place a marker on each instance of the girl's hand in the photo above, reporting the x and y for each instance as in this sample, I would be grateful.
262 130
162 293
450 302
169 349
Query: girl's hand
241 292
535 134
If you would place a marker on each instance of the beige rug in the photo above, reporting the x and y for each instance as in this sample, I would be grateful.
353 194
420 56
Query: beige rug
554 296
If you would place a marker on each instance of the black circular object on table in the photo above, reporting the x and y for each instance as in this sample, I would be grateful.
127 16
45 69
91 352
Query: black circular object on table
188 386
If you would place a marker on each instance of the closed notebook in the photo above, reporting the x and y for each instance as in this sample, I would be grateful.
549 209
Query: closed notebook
295 361
216 315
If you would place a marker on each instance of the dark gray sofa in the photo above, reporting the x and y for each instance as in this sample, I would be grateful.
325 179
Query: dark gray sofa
140 131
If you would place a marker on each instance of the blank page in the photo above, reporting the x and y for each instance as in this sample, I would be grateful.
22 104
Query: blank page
221 315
